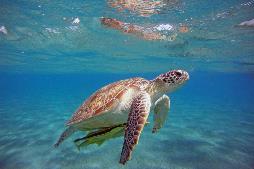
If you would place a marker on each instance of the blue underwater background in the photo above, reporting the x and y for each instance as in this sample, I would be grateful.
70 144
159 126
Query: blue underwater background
50 65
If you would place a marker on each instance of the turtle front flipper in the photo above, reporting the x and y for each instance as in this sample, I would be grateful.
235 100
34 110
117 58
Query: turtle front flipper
161 110
138 115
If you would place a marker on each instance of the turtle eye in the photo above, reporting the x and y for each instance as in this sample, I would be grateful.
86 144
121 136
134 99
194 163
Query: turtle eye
178 73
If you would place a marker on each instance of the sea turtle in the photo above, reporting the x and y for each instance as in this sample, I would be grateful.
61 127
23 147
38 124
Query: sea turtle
124 106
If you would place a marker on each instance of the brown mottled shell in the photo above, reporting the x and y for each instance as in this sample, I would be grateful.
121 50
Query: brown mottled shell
103 99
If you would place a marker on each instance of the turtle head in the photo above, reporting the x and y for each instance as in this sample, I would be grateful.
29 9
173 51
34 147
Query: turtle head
171 80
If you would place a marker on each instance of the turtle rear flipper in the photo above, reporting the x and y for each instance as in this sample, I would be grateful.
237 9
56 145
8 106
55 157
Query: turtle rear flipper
100 136
69 131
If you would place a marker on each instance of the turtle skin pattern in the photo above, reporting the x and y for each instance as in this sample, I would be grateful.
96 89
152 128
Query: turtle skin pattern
140 109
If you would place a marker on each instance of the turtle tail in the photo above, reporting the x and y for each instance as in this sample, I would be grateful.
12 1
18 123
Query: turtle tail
69 131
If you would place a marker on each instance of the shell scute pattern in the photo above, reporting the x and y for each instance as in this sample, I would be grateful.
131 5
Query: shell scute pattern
104 99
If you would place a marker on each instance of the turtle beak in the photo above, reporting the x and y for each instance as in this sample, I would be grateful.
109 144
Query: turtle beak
186 75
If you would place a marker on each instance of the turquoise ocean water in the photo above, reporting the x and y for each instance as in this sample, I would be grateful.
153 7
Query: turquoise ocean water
49 65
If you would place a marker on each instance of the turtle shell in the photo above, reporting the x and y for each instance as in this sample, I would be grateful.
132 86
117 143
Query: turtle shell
103 99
